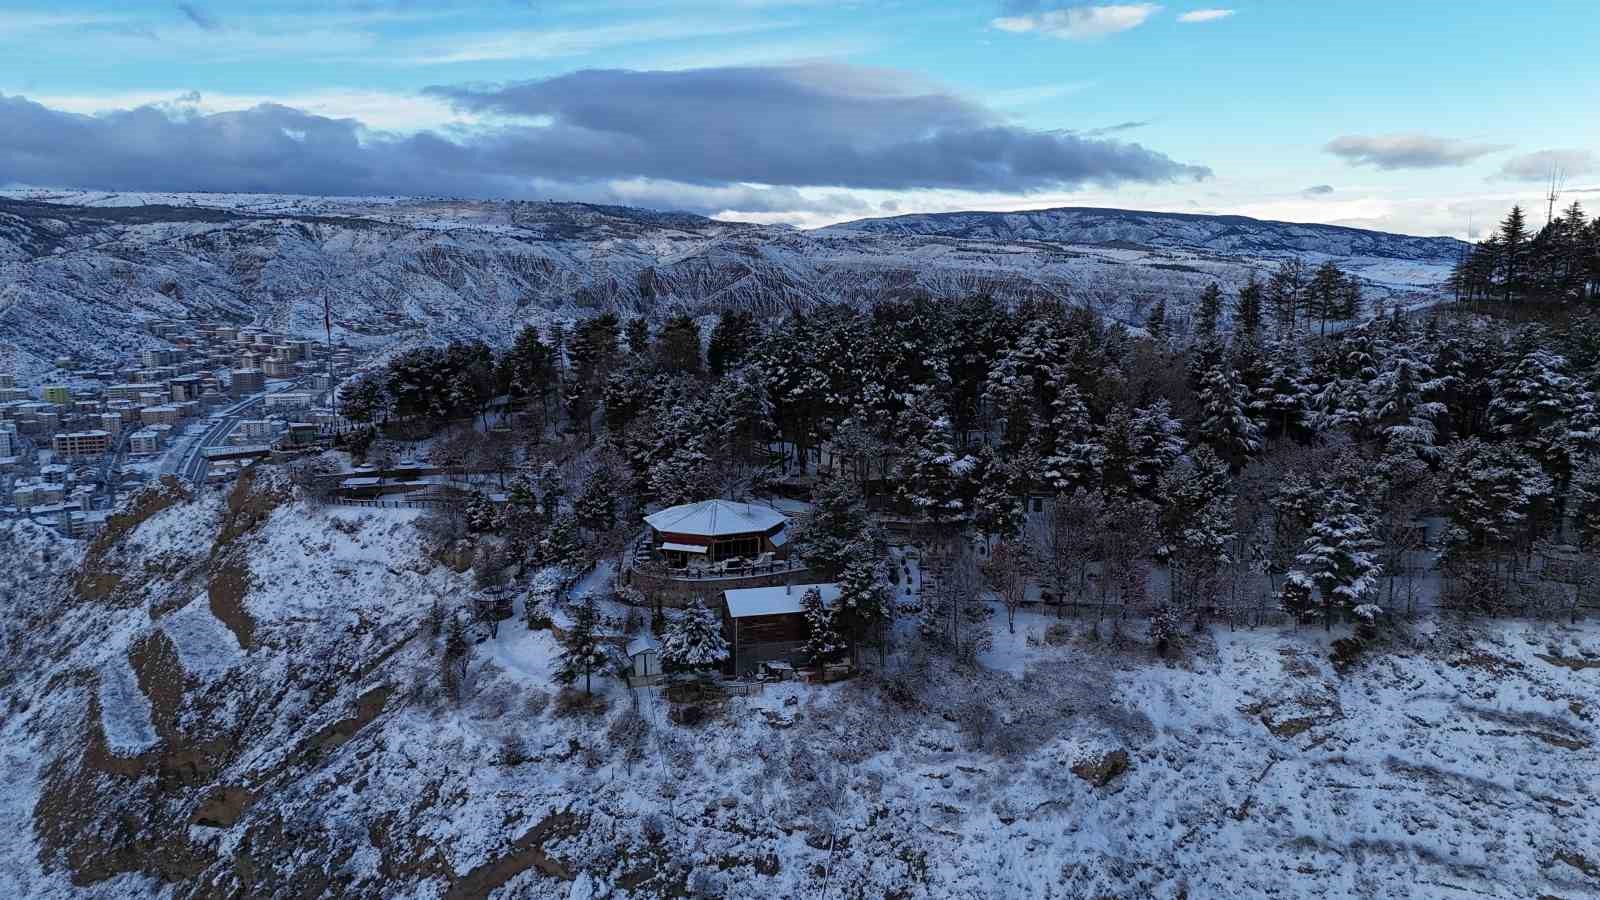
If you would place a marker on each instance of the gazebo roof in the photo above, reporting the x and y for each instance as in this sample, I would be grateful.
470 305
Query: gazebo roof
712 518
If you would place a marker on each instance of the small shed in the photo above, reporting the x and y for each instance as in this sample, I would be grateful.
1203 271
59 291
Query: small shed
644 660
766 624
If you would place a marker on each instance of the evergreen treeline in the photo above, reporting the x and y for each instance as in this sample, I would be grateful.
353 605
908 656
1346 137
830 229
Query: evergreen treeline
1560 262
1256 455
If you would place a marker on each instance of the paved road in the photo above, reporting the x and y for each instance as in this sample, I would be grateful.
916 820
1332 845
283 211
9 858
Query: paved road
191 465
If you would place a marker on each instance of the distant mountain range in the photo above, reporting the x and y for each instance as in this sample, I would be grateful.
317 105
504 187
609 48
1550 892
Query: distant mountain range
80 271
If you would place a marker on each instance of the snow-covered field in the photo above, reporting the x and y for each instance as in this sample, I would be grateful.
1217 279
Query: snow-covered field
253 708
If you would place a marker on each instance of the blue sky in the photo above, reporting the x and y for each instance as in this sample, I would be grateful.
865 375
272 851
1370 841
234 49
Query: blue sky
1419 117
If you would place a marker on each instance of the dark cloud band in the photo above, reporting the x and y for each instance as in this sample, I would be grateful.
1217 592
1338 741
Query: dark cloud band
785 127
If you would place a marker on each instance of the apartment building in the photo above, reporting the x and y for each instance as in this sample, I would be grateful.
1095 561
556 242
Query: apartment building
144 442
81 443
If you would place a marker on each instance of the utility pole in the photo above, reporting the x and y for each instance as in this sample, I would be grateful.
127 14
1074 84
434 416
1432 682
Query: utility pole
327 327
1558 180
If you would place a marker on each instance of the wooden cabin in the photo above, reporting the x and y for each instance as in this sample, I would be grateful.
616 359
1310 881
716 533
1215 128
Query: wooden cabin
767 624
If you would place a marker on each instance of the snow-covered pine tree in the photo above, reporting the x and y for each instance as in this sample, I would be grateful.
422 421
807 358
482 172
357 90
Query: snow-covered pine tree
1078 454
1157 443
1228 422
1337 559
836 529
1011 395
998 510
693 641
1493 494
823 643
562 545
1155 324
482 517
864 600
596 506
932 476
1534 399
581 649
1586 498
683 477
1285 397
1398 408
1196 525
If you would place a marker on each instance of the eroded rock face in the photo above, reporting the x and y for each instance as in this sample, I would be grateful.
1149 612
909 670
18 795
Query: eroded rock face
1104 770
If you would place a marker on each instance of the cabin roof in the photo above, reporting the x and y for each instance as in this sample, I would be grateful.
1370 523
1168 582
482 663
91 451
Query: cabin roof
712 518
775 601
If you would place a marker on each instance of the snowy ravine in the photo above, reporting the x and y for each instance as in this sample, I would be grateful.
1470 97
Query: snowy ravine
81 270
280 656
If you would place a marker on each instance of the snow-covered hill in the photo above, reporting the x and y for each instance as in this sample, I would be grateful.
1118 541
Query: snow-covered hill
80 271
238 695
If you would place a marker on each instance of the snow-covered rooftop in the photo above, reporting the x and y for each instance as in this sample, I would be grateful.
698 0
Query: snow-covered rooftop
775 601
710 518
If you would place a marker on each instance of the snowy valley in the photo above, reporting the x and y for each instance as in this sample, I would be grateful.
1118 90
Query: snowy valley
81 271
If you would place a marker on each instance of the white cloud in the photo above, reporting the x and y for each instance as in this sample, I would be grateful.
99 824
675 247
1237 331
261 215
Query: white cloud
555 43
1538 166
1205 15
1408 151
1080 22
1036 93
375 109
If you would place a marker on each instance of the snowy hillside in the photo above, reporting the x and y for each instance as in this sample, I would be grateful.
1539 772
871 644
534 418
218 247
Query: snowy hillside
79 271
238 697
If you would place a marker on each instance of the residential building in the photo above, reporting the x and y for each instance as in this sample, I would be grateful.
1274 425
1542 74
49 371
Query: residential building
768 624
111 423
38 493
82 443
287 400
144 442
160 415
9 444
247 381
254 431
56 393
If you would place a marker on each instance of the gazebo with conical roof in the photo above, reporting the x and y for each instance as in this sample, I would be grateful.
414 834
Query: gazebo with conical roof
719 530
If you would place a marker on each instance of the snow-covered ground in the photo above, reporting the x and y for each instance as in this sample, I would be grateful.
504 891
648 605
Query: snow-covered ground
271 714
80 272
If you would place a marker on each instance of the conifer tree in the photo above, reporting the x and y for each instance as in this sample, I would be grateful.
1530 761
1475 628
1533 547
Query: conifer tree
1492 493
836 530
1155 324
581 649
1229 424
1078 454
932 475
863 605
1208 311
596 506
1247 315
693 640
637 336
998 508
562 545
1337 559
1140 445
1513 251
823 643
